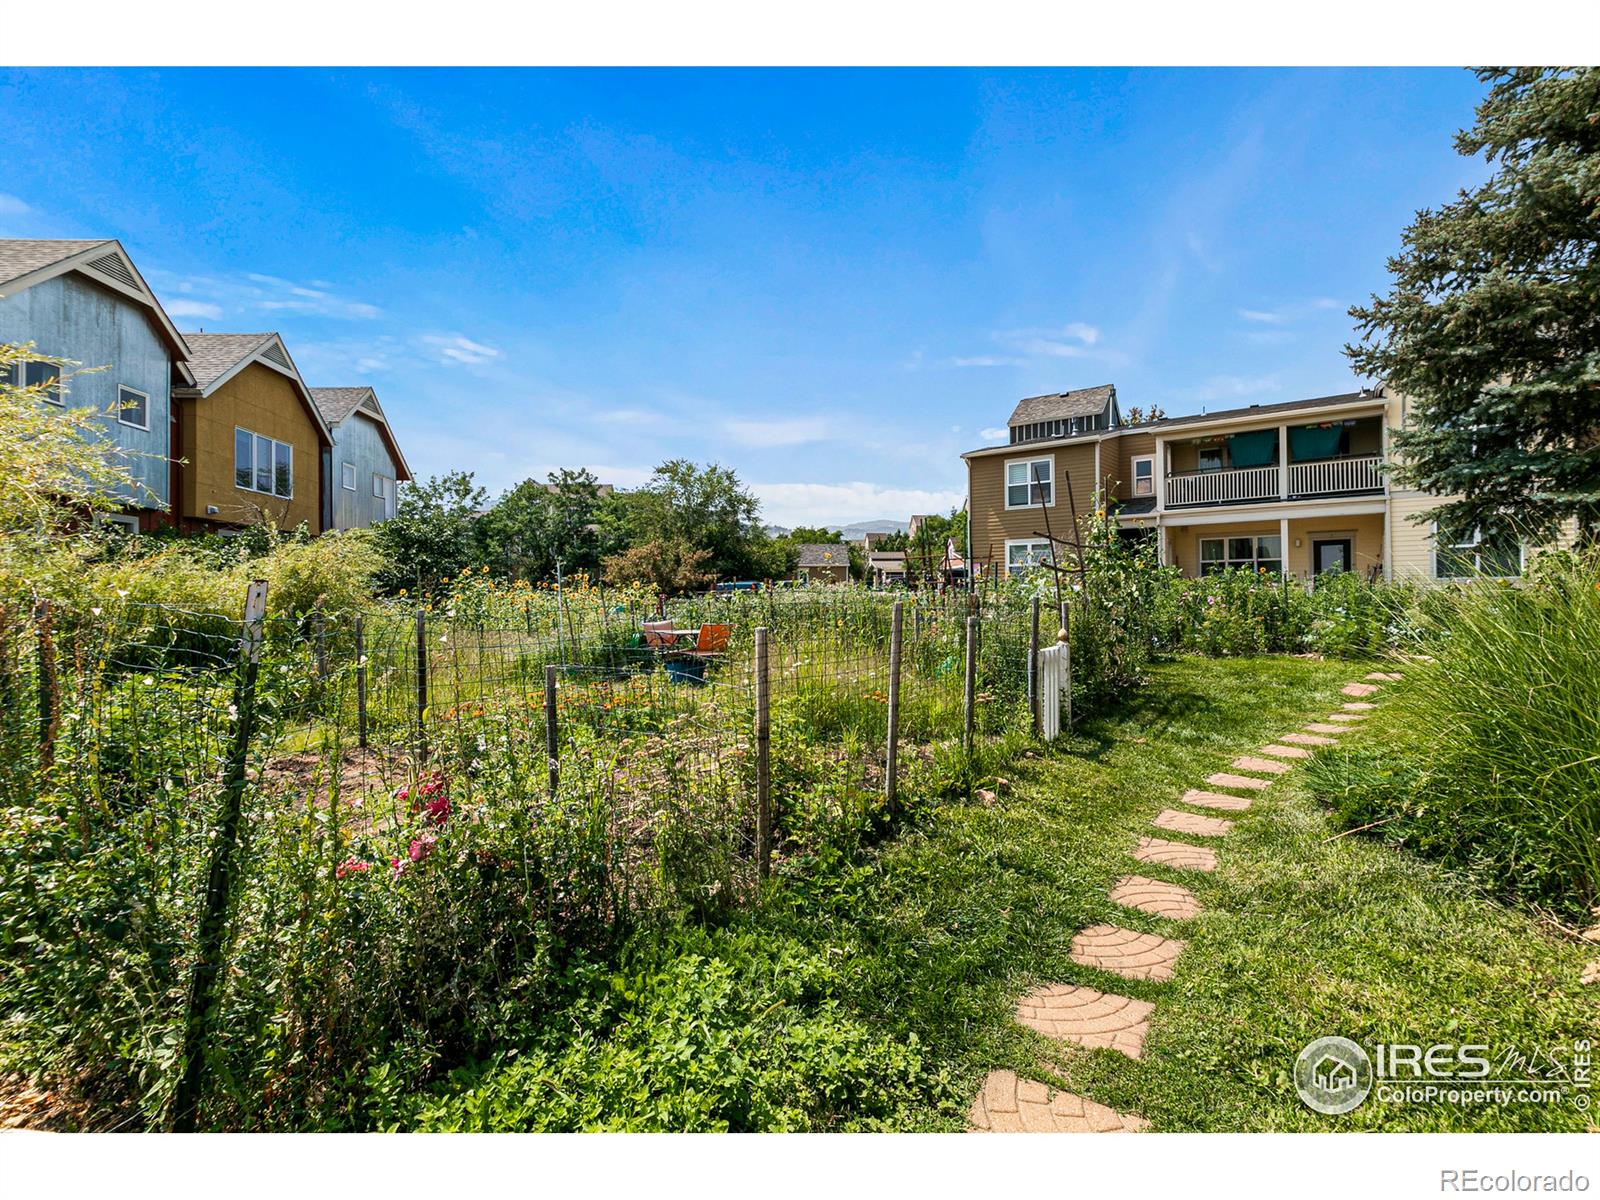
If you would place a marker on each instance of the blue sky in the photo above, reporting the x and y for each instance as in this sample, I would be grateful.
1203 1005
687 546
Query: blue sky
833 281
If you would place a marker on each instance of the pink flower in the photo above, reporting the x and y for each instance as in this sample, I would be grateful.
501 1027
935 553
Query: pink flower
421 847
434 799
351 866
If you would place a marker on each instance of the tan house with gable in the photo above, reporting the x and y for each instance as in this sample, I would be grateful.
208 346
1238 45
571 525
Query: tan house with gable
1297 487
255 447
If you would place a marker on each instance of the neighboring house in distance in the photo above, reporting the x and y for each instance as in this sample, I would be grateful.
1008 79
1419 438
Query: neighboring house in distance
824 563
257 447
86 301
367 463
885 567
1298 486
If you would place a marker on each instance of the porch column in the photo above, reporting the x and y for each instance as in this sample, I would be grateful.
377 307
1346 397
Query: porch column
1161 543
1283 542
1160 470
1283 463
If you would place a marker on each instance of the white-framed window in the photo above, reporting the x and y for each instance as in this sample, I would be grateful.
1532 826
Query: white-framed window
1030 482
1144 475
1024 554
1475 555
1252 551
133 407
347 476
1209 458
122 522
383 493
262 464
38 374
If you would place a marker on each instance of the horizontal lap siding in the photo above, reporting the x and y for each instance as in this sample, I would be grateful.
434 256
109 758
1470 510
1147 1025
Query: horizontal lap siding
992 524
263 401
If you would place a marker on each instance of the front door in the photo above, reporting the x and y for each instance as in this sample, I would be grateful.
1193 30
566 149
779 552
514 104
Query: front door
1330 556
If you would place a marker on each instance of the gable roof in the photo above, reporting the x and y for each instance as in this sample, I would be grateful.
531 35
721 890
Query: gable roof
25 262
825 554
1084 402
218 357
338 404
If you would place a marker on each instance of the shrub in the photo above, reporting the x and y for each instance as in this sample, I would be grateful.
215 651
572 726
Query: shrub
1489 757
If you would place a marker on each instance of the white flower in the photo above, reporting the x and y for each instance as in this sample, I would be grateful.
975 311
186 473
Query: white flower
122 591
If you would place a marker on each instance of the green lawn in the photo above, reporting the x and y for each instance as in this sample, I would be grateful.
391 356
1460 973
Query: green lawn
877 994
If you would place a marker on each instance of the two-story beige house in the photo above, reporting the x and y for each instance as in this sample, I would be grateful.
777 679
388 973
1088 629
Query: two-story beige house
1296 487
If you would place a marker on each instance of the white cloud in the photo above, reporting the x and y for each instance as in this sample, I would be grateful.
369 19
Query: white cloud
994 433
1265 317
1285 314
455 348
1234 387
794 504
13 206
985 360
1072 340
284 295
193 308
798 431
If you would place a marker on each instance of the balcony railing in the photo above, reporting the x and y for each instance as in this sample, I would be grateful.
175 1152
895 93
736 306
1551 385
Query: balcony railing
1336 476
1242 485
1222 487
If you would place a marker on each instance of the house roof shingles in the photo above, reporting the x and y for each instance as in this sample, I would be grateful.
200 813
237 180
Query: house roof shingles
213 355
824 554
336 404
1084 402
23 256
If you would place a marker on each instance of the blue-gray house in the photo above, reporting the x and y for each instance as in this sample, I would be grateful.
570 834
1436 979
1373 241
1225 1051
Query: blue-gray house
86 302
367 463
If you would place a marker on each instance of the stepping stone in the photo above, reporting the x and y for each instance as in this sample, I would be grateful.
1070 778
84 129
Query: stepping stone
1359 689
1358 705
1182 822
1176 854
1308 739
1007 1104
1087 1017
1248 782
1386 676
1347 717
1285 751
1215 800
1126 952
1155 897
1324 727
1265 765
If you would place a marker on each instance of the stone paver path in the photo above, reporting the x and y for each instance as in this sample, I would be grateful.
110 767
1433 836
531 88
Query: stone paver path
1307 739
1103 1020
1215 800
1087 1017
1126 952
1008 1104
1156 897
1264 766
1183 822
1286 751
1180 855
1229 780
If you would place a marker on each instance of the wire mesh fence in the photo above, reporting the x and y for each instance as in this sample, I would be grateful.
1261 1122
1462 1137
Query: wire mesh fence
416 805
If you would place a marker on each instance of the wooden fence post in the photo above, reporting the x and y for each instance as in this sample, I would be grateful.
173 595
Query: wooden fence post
319 631
422 687
892 755
763 758
1033 666
970 692
48 691
552 728
361 682
205 989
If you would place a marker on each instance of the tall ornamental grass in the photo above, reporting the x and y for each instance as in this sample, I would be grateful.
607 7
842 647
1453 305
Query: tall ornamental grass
1494 759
